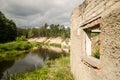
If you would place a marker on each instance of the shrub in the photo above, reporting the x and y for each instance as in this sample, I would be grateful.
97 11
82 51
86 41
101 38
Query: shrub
21 45
22 38
8 46
37 44
9 54
11 49
96 54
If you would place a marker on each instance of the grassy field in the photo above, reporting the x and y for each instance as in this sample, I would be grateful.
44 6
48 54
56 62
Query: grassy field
58 69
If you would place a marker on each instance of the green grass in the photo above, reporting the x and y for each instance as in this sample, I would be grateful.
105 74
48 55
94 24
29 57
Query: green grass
55 45
22 38
22 45
96 54
9 54
52 44
58 69
11 49
37 44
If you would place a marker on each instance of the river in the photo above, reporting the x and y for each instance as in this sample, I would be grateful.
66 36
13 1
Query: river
28 61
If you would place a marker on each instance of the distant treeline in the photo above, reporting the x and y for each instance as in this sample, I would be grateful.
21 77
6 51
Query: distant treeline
9 31
45 31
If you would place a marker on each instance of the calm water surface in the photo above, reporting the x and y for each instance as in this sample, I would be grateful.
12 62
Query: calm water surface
23 63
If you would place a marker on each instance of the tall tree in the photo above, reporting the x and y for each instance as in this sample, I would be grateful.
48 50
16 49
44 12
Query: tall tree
8 30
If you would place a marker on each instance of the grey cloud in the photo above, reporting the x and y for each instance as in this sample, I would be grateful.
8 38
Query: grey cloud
37 12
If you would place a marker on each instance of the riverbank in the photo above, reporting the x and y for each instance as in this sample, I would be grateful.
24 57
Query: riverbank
11 49
58 69
64 43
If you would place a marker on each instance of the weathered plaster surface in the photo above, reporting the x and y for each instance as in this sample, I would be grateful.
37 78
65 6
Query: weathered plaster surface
109 11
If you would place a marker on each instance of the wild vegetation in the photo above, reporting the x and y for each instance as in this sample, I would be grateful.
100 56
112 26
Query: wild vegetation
96 54
11 49
55 45
58 69
95 45
8 29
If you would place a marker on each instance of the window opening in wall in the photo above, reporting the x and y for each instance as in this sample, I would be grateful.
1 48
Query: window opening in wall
92 41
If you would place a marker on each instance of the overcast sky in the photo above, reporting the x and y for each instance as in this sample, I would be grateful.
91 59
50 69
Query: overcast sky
33 13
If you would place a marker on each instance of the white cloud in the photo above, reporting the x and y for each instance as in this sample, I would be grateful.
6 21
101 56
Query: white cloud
37 12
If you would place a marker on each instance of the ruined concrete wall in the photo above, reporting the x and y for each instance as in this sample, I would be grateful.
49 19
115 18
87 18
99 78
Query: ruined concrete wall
109 11
110 58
